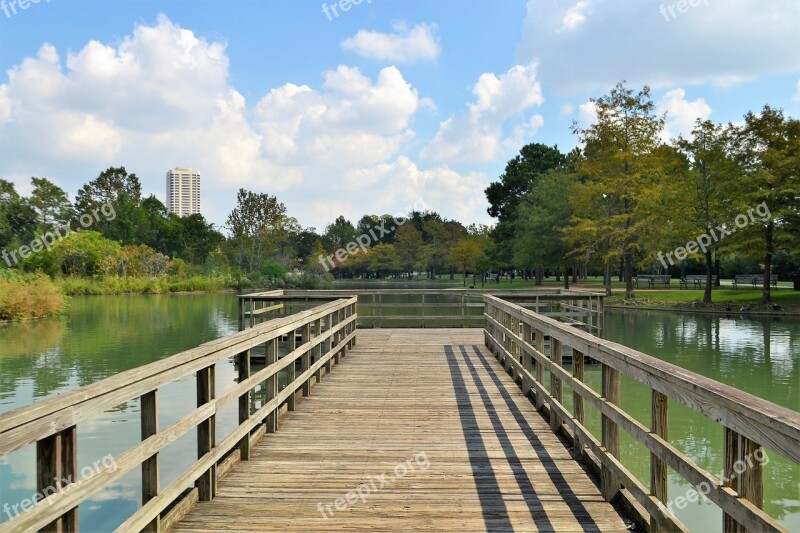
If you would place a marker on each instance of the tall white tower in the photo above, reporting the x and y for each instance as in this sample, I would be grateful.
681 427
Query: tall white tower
183 191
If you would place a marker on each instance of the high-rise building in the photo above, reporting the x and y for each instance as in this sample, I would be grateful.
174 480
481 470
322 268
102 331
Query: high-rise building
183 191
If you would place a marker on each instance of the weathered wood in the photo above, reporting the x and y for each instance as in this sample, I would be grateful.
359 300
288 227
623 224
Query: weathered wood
272 384
474 481
150 467
306 357
539 367
206 434
744 511
244 403
555 382
659 409
578 372
292 342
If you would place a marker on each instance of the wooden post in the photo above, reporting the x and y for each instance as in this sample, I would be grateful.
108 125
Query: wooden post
56 467
539 403
328 343
317 349
527 358
244 404
745 473
610 431
578 372
206 434
148 404
306 358
272 385
659 409
336 338
241 313
292 342
352 326
555 382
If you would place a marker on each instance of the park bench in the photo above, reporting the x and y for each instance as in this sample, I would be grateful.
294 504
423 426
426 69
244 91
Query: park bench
753 280
652 281
698 281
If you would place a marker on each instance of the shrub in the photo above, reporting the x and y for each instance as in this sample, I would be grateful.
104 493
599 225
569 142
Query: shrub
30 296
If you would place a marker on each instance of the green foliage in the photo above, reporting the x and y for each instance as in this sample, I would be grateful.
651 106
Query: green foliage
77 254
25 296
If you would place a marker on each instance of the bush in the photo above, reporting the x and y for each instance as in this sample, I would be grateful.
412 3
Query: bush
29 296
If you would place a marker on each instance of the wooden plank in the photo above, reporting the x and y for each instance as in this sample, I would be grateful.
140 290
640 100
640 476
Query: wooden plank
659 409
350 432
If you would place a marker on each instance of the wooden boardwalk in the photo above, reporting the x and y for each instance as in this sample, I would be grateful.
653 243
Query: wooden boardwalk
432 433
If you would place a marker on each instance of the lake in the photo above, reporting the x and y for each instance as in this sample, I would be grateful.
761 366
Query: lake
101 336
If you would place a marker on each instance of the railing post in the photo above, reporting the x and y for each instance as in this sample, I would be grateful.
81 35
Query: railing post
610 431
292 343
578 372
659 409
352 326
744 472
555 382
149 425
306 358
317 355
527 358
244 404
272 385
539 403
206 433
241 313
56 467
328 344
336 319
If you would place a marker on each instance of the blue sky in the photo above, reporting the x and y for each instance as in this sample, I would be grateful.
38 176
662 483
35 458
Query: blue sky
388 103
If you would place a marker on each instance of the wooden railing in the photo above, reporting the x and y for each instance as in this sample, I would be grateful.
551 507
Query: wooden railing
314 339
517 338
384 308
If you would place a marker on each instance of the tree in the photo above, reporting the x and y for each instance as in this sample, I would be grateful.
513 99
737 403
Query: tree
260 229
767 147
18 219
622 171
504 196
112 186
700 201
465 254
383 259
409 248
51 203
543 218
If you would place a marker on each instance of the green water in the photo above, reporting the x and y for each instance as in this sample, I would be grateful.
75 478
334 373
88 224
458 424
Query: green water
101 336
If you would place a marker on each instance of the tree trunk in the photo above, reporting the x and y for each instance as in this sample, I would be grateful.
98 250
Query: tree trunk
709 266
566 277
766 297
628 268
465 277
607 277
574 274
539 276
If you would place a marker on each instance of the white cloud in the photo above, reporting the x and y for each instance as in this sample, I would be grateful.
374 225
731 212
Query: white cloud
476 136
681 113
406 45
587 114
575 16
566 110
721 42
161 98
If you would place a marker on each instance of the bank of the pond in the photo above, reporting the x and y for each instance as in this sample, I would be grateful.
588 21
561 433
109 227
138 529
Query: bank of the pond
113 285
28 296
725 302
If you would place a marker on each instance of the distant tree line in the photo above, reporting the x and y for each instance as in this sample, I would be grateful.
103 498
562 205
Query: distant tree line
627 196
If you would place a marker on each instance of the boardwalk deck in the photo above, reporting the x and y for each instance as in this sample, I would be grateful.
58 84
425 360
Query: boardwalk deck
481 457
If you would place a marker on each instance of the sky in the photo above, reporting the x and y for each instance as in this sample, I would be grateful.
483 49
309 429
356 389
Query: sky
346 108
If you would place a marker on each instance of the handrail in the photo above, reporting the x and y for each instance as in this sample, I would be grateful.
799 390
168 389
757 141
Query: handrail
326 332
516 336
379 307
